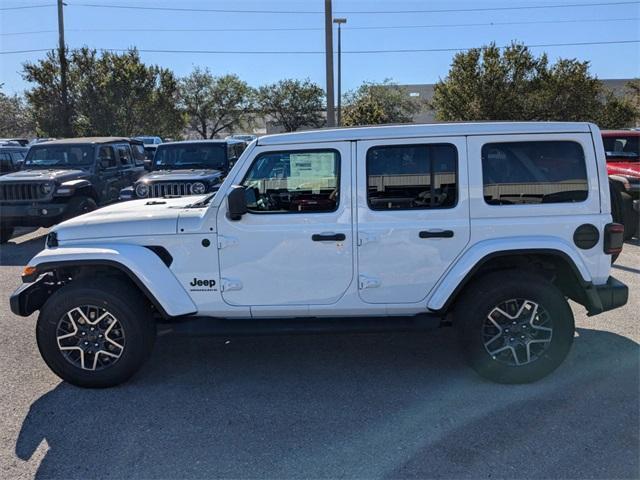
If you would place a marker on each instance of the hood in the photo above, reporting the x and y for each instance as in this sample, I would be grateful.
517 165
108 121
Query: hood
45 175
201 174
626 169
133 218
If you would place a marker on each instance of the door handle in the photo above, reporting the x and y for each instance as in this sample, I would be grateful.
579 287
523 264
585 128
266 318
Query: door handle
328 237
436 234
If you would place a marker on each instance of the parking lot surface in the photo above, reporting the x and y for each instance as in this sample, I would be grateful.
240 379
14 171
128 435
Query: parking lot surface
348 406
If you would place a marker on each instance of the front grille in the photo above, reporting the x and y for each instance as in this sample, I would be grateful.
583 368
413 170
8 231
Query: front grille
163 189
19 192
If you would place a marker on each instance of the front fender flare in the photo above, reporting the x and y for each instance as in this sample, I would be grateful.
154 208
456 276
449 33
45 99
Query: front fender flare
457 276
139 263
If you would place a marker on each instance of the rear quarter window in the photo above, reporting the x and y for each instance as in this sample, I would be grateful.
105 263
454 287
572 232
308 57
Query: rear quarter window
536 172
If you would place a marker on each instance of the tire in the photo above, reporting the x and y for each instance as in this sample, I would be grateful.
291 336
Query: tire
79 206
475 329
5 233
134 331
622 209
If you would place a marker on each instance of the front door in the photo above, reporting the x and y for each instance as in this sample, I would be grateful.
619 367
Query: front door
109 174
295 244
413 215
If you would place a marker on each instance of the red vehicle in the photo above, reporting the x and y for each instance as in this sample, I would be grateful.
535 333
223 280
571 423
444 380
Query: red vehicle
622 149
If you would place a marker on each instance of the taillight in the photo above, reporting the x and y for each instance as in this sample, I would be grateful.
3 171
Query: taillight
613 238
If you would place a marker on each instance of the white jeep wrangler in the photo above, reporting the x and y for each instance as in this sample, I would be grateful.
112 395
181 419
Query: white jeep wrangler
488 226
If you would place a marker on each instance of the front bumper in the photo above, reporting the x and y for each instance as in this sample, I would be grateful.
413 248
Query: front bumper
602 298
29 297
32 214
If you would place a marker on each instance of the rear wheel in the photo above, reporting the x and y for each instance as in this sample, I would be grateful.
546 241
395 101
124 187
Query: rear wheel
6 233
96 334
514 327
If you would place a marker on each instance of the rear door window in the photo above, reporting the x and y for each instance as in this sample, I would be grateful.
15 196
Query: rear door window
534 172
408 177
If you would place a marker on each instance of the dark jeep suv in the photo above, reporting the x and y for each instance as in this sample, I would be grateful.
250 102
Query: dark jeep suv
64 178
186 168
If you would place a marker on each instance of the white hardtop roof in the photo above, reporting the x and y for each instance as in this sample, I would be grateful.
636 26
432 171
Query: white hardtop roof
423 130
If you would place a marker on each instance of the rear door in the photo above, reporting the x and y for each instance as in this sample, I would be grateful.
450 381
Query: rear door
413 215
126 165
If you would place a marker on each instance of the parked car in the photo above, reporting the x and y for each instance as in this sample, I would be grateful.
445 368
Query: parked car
23 142
186 168
245 137
149 140
11 157
488 226
622 149
65 178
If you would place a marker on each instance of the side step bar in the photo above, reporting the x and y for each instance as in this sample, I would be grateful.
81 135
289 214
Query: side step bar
268 326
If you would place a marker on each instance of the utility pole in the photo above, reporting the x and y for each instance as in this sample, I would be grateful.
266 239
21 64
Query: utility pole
339 22
64 86
328 50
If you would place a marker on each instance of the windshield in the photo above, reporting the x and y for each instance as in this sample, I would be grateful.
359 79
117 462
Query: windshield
191 156
65 156
622 147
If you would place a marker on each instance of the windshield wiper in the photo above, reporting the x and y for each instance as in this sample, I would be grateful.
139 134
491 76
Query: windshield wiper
205 201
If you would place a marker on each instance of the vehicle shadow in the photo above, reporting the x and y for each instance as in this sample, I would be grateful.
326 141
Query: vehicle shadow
388 405
18 251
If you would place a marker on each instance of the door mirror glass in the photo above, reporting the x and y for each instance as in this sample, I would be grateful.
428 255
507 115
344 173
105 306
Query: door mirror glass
236 203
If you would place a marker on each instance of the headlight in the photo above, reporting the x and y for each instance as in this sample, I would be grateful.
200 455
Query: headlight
46 188
142 190
198 188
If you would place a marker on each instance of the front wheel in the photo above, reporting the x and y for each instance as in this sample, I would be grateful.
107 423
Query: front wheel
6 233
514 327
79 206
96 334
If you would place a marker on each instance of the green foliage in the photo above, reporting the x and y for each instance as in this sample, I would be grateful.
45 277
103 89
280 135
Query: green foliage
378 103
109 94
15 117
293 104
485 84
215 104
45 98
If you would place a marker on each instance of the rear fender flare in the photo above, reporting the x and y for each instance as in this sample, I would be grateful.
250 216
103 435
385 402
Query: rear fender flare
462 271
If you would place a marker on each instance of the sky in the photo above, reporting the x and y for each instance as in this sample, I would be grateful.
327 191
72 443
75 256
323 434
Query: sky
407 26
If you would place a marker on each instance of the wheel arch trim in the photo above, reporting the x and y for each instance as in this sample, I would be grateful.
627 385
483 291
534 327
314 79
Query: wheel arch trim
141 265
471 261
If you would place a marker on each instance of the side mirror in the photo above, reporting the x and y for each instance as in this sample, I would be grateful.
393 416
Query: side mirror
105 163
147 164
236 203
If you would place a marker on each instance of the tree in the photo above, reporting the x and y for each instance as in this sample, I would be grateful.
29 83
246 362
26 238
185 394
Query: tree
214 104
15 118
374 104
487 84
45 98
109 94
293 104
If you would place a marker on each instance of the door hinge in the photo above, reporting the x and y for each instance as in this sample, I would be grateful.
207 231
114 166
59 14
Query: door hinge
368 282
227 285
364 237
224 242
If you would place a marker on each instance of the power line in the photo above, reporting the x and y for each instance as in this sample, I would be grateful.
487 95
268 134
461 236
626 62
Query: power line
301 29
24 7
356 12
318 52
10 52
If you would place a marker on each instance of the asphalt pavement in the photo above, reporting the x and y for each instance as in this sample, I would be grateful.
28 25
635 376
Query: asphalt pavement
323 406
